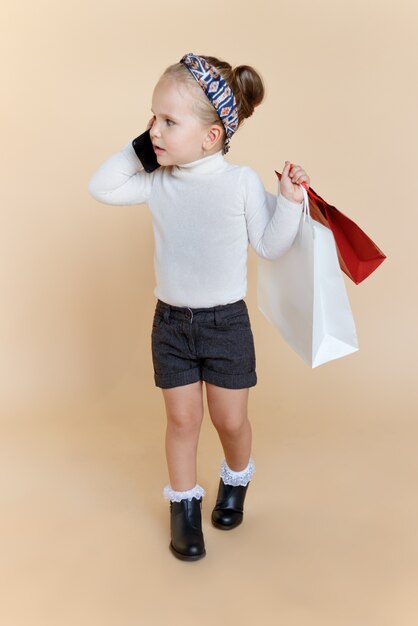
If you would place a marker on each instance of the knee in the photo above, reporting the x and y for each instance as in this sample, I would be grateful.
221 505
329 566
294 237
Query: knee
231 425
185 423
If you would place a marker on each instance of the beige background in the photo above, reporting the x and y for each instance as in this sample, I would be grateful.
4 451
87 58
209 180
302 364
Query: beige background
330 529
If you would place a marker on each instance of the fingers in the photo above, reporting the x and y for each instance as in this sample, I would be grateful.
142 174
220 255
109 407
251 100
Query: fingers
298 175
151 122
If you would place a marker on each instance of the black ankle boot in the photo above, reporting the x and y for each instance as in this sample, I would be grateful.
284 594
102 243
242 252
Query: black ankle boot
229 509
187 541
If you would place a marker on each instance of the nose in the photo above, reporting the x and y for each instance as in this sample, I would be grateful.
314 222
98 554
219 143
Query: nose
155 130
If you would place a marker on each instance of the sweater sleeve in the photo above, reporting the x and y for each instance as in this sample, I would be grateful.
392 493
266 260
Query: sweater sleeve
272 221
121 179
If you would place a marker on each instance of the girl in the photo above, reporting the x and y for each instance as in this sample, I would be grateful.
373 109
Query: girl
206 211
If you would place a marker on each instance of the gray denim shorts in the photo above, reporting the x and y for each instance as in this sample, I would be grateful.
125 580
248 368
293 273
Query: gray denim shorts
213 344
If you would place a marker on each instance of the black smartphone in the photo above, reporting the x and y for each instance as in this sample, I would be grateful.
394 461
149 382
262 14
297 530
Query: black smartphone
145 152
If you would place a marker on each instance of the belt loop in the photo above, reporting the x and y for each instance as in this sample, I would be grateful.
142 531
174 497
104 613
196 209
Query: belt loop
215 317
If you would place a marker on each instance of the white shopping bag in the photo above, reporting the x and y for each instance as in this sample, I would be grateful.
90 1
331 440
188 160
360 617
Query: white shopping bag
302 293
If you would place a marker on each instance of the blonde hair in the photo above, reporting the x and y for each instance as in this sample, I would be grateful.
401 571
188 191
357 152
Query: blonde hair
246 84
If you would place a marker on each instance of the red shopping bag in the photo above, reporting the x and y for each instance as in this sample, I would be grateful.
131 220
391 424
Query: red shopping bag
358 255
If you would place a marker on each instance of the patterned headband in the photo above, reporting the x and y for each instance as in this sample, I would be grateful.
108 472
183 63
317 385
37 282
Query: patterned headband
217 90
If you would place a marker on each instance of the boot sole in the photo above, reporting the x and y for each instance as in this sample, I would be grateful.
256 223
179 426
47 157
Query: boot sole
222 527
185 557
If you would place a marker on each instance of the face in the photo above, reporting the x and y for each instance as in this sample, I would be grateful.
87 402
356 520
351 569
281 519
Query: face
176 128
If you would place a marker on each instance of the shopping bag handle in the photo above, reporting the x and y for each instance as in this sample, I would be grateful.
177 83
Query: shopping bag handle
305 207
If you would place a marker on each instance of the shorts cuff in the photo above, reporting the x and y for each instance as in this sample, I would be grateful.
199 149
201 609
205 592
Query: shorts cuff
177 379
230 381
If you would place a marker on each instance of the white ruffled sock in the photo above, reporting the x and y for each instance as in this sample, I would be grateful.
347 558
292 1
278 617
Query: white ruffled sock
176 496
242 478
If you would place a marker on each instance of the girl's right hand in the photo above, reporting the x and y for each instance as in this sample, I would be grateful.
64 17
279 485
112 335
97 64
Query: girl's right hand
151 122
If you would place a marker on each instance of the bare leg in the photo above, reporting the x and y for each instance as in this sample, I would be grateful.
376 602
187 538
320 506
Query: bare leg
229 414
184 409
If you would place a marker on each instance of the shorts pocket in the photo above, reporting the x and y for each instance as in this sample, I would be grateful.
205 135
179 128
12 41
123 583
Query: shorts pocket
238 320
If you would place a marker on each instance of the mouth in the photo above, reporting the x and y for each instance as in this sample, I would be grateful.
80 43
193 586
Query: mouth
158 149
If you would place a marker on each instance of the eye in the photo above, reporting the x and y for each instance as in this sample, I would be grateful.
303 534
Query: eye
170 121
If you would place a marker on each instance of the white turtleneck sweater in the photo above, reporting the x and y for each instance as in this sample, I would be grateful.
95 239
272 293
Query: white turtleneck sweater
205 213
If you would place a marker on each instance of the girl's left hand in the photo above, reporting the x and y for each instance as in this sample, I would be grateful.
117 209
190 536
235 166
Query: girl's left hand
292 177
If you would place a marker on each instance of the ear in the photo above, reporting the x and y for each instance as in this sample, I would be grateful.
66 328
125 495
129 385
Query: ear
213 135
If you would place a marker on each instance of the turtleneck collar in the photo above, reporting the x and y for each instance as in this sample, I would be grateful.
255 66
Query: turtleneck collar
209 164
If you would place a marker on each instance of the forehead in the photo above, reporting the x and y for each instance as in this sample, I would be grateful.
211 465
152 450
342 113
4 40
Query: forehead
171 98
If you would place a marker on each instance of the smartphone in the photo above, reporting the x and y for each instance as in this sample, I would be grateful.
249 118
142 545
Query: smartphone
145 152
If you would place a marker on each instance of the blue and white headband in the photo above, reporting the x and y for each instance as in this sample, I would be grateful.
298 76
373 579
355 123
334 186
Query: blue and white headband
217 90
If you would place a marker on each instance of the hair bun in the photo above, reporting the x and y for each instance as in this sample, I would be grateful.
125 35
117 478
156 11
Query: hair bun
248 88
